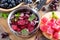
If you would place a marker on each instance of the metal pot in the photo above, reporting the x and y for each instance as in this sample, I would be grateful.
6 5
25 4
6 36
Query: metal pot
35 10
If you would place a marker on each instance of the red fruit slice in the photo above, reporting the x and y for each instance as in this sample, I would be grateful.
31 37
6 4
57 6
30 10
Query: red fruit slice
44 20
50 30
44 28
56 27
51 22
57 35
58 21
14 27
21 22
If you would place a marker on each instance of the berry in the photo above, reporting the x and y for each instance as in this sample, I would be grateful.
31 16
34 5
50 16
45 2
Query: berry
12 2
3 1
14 5
43 9
4 35
53 6
10 6
2 5
5 4
9 3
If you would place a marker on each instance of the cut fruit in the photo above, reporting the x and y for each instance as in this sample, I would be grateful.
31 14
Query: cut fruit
44 20
44 28
51 22
58 21
56 35
50 30
56 27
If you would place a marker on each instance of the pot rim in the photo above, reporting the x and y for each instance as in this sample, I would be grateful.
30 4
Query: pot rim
16 11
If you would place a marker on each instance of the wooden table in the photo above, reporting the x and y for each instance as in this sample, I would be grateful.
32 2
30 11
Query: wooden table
4 24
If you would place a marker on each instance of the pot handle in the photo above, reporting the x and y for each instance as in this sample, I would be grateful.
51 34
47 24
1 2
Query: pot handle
40 4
